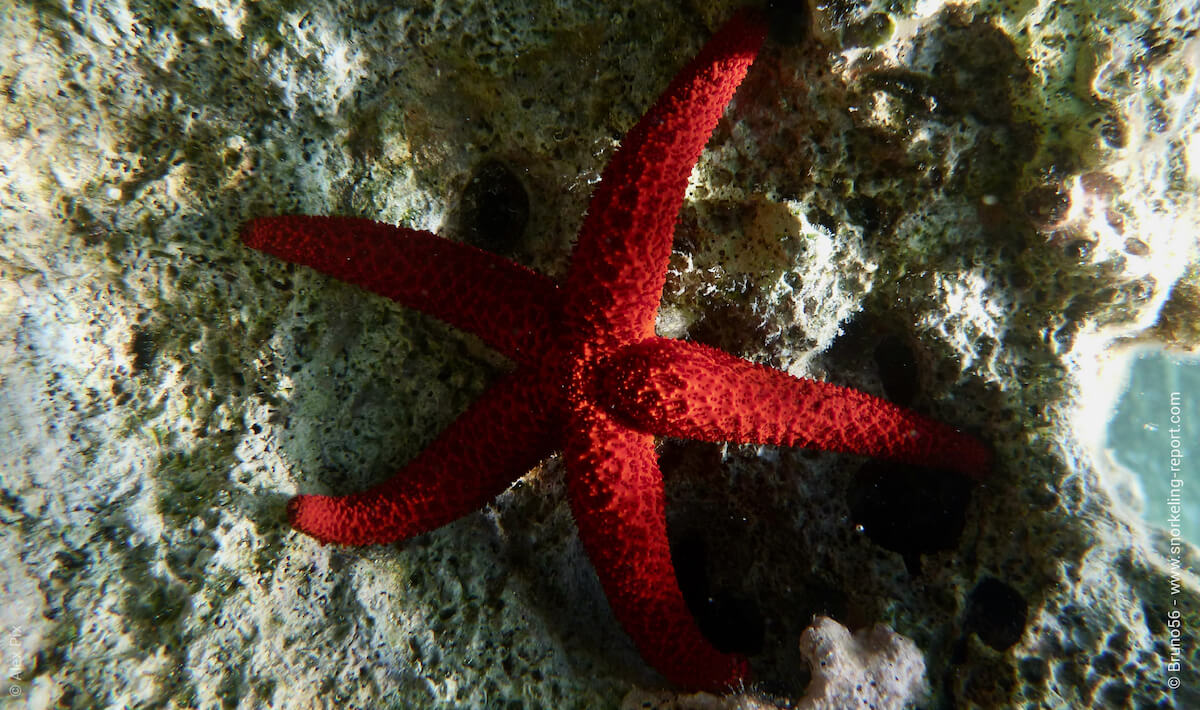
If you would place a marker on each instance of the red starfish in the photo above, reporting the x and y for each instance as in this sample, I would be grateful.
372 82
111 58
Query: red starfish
592 378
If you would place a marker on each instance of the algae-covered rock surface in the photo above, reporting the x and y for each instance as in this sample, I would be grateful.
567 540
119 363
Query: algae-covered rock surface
971 209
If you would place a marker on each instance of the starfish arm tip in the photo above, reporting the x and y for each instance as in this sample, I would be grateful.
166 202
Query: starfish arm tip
980 457
252 232
344 520
340 520
726 672
307 514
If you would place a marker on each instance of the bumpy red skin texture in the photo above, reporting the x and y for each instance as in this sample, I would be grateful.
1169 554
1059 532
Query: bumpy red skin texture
619 264
692 391
592 379
502 302
497 440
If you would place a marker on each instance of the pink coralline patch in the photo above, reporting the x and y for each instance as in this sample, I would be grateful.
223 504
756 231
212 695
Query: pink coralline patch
592 379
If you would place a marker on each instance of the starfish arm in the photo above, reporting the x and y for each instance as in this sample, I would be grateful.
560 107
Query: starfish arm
676 388
497 440
616 495
619 264
503 303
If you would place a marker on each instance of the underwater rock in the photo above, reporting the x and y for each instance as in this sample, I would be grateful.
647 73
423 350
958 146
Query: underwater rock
1011 191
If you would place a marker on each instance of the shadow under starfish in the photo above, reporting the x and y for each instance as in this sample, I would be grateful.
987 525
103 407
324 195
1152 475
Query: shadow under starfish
592 378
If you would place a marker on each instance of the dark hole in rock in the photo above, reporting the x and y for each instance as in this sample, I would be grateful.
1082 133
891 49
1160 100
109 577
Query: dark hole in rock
143 349
789 21
494 208
897 370
909 509
731 623
873 214
996 613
